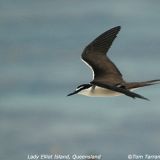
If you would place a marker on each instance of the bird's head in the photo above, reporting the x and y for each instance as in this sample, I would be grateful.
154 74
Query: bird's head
80 88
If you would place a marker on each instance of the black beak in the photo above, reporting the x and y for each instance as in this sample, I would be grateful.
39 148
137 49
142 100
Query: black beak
79 88
72 93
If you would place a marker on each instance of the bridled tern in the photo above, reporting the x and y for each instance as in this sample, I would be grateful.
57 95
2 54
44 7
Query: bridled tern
107 79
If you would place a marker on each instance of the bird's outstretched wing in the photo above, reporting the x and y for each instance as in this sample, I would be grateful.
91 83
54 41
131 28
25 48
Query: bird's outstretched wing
95 55
118 89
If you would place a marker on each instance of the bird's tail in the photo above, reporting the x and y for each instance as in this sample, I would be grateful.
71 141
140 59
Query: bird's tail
134 85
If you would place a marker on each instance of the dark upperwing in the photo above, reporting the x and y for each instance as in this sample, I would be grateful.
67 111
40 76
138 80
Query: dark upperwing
95 55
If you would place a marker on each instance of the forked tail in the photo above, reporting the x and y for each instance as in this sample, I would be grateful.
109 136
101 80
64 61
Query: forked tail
134 85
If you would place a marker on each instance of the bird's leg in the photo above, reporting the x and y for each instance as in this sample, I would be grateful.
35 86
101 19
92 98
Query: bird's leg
93 88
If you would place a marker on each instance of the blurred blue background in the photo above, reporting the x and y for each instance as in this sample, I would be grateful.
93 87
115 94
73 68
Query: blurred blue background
40 47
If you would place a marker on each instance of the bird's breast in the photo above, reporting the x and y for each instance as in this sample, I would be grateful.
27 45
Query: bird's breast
96 91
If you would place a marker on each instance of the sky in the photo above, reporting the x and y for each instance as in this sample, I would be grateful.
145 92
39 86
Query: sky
41 43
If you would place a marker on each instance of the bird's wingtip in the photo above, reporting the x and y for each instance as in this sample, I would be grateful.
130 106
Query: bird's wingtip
146 99
118 27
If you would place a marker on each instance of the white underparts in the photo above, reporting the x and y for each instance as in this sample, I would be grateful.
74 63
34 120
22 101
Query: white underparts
96 91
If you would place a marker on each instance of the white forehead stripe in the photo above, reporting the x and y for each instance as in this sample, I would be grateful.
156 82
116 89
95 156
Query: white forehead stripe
79 88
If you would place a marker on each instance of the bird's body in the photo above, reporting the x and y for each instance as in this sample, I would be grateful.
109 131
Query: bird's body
95 91
107 79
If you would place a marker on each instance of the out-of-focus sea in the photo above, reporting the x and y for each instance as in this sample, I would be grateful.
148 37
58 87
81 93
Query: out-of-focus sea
40 47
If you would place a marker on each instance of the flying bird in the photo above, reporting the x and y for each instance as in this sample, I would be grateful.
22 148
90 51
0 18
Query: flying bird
107 79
